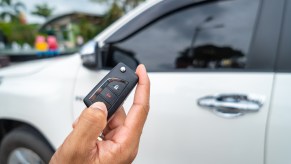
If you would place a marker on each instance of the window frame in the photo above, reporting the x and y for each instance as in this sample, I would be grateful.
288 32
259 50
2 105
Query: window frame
267 27
266 39
284 52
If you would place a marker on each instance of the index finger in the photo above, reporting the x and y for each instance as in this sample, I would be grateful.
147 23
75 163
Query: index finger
138 112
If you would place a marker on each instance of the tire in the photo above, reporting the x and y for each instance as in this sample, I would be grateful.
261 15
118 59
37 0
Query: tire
27 142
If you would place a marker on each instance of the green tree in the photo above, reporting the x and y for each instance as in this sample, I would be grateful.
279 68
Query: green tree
124 5
11 11
112 15
43 10
117 8
20 33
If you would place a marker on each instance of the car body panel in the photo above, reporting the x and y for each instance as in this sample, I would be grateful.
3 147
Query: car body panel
278 134
44 99
278 144
24 69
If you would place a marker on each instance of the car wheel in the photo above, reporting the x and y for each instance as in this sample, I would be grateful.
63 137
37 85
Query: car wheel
24 145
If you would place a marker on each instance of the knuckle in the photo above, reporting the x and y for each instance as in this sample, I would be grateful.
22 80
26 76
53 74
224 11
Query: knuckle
144 107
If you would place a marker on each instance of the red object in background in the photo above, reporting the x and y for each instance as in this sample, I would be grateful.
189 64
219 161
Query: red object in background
52 43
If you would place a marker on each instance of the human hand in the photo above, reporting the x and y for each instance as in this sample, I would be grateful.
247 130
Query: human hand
121 134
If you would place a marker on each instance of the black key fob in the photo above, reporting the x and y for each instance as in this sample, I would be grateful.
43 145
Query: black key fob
113 89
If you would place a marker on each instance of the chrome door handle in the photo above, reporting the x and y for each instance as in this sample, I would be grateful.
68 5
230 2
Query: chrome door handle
231 105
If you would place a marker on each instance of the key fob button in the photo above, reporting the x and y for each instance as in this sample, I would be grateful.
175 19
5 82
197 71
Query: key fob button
117 87
100 99
95 98
108 96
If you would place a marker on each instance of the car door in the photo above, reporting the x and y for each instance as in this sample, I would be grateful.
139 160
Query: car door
278 144
211 70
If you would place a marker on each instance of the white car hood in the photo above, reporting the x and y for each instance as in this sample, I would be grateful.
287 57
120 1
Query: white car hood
25 68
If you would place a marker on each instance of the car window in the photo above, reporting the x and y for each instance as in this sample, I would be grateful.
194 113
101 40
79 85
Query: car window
210 35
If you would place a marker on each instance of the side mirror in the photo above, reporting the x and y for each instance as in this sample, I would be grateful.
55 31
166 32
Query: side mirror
125 56
88 54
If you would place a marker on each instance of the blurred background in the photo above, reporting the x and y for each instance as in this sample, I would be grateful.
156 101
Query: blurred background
219 70
41 28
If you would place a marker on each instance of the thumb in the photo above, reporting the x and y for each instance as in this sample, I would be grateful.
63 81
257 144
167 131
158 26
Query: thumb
91 123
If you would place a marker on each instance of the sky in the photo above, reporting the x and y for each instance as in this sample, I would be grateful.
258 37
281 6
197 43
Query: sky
62 6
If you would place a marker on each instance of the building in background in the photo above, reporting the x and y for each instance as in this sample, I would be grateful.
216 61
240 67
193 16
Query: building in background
72 29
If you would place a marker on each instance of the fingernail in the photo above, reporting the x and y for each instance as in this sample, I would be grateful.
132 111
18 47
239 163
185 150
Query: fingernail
99 106
143 66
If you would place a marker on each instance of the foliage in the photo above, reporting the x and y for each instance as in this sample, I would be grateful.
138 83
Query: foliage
124 5
112 15
86 29
117 9
43 10
10 19
11 11
19 33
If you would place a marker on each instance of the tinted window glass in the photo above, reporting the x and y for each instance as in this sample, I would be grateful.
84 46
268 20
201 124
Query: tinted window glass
213 35
284 59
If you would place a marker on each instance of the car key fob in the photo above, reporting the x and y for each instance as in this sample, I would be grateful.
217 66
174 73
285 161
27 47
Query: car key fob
113 89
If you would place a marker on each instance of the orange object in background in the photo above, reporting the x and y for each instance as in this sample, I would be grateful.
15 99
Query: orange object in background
22 18
40 43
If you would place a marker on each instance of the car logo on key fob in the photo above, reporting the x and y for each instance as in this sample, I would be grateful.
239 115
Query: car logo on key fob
116 87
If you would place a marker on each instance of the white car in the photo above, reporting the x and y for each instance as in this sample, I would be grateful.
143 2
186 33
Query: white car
220 84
